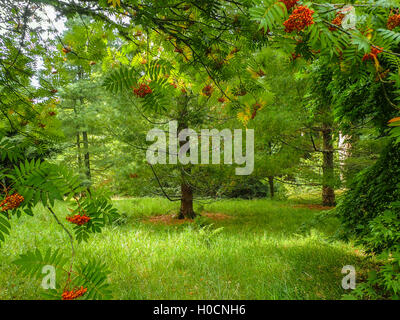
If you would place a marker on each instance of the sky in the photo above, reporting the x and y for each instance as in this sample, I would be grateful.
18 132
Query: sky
48 13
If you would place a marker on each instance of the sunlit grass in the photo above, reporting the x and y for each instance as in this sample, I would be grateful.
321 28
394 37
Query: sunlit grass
259 254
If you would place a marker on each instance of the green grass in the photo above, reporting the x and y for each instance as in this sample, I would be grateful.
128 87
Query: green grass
259 254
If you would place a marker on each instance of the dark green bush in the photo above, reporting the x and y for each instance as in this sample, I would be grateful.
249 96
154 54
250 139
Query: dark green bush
370 212
246 187
371 192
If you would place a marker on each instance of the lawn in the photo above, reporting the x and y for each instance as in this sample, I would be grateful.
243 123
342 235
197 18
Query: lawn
257 252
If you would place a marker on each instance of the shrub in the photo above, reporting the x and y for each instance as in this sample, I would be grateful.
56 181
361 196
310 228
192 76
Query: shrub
370 212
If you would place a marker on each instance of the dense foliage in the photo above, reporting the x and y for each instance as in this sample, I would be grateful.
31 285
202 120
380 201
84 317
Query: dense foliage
370 212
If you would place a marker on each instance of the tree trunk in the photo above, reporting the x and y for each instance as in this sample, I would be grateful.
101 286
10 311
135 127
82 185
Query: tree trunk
271 186
328 192
87 155
78 139
78 145
186 210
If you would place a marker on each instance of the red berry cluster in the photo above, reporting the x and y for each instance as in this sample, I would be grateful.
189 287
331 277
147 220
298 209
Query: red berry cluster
299 19
295 56
221 99
337 21
79 219
73 294
179 50
66 49
289 3
393 21
143 90
208 90
373 54
11 202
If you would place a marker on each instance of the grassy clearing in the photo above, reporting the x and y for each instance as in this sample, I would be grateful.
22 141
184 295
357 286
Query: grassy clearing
259 253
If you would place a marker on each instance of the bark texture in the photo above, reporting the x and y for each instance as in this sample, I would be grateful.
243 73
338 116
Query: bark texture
328 192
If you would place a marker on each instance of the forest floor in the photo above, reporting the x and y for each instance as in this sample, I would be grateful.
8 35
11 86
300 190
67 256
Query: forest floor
238 249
